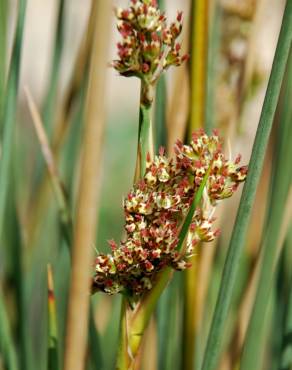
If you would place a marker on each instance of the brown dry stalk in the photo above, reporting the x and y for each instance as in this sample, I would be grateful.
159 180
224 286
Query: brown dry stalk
87 203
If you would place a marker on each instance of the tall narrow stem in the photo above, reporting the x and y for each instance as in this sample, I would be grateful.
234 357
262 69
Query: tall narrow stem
145 133
123 356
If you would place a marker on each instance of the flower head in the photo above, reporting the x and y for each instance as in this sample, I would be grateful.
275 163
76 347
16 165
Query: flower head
148 44
155 209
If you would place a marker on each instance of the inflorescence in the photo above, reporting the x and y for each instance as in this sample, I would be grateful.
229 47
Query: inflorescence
155 210
148 44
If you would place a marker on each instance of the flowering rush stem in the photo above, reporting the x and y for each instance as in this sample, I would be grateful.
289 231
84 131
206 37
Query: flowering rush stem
145 134
170 208
147 304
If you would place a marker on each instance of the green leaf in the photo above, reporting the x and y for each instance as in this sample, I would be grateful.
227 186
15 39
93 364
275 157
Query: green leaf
160 114
188 220
215 336
286 350
3 35
49 109
10 112
282 175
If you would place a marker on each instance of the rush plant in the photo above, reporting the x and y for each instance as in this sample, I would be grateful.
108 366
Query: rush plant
169 291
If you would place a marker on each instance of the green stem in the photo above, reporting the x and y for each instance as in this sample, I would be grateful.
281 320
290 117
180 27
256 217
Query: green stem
145 134
132 329
239 231
123 359
281 182
51 97
3 33
9 113
286 350
160 114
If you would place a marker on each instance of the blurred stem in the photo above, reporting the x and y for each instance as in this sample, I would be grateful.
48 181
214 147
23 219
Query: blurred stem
199 47
53 357
286 350
88 195
73 95
160 105
58 188
199 65
161 4
189 314
9 113
243 215
145 134
65 218
78 76
160 114
51 97
7 348
3 34
123 360
214 40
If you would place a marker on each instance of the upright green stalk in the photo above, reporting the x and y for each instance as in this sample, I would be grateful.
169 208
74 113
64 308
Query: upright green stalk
160 114
9 113
239 231
3 34
160 106
145 134
282 176
286 350
126 352
51 97
134 323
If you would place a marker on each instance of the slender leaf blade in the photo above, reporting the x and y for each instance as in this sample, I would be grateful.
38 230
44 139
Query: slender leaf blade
243 215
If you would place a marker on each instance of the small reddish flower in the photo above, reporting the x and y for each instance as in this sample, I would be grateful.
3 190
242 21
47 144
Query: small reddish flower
148 44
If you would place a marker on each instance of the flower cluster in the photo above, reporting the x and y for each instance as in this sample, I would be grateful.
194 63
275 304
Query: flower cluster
155 210
148 45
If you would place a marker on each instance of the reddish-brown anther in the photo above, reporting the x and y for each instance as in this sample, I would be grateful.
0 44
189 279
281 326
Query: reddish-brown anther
179 16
